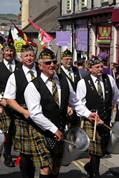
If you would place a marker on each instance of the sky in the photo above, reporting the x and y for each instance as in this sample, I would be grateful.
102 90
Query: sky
9 6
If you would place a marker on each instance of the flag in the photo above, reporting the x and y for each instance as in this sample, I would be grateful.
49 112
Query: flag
24 36
43 36
21 33
40 39
10 39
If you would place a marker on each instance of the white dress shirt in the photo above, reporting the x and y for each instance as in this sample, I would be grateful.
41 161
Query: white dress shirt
10 89
33 99
67 72
81 93
7 64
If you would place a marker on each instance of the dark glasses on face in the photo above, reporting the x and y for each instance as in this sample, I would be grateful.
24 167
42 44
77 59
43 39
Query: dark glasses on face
50 62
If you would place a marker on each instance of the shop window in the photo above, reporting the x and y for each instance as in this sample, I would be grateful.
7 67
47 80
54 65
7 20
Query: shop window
104 52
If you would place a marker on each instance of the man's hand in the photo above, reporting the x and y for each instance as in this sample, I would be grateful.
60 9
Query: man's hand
69 111
1 109
59 135
3 102
26 114
95 117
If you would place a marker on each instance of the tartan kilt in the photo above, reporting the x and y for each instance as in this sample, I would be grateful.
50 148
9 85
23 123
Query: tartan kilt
29 141
5 120
99 146
57 154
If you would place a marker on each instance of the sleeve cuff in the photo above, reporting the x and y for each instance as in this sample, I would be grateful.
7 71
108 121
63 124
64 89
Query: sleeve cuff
53 129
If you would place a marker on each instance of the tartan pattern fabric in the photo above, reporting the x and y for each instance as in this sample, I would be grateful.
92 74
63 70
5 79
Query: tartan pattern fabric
99 88
57 154
32 74
55 91
29 141
70 76
10 67
4 121
98 146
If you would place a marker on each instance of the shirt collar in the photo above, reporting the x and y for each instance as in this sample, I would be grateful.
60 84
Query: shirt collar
26 69
7 62
45 78
66 70
95 78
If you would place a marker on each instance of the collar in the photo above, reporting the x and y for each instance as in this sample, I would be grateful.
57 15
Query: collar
94 78
7 62
66 70
45 78
26 69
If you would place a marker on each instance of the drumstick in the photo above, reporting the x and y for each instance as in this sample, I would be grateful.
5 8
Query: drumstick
94 131
71 143
107 126
82 124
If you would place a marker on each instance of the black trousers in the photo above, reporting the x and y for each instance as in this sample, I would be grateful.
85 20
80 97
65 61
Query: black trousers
9 139
27 168
92 167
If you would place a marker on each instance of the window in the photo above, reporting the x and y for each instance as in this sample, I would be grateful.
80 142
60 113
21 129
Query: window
83 3
68 5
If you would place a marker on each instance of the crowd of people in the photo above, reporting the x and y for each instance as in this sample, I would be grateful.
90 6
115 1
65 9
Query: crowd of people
40 97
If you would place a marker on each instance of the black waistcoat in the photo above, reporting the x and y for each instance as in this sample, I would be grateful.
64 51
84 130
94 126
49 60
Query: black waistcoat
95 103
50 109
21 83
4 75
76 77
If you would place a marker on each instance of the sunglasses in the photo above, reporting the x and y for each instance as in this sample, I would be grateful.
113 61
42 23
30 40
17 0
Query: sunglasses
50 62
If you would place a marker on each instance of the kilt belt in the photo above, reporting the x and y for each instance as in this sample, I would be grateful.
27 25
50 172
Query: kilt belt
99 146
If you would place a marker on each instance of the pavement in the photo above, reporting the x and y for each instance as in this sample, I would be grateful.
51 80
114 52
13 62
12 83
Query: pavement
109 166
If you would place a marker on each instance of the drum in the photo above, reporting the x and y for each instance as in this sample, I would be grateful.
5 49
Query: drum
2 138
113 145
77 145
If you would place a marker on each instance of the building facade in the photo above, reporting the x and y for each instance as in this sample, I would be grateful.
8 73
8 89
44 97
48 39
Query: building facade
94 25
34 8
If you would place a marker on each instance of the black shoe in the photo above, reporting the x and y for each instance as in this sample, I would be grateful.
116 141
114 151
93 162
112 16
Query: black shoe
9 162
88 170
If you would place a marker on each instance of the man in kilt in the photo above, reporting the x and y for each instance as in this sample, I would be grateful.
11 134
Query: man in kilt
25 135
8 65
72 74
97 97
48 110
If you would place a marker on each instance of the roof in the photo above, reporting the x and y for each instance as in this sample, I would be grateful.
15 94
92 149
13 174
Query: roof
47 20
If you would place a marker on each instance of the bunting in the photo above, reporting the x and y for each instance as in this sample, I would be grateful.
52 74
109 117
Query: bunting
43 36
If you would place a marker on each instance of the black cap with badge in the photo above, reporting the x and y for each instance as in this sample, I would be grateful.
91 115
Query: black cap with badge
94 60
